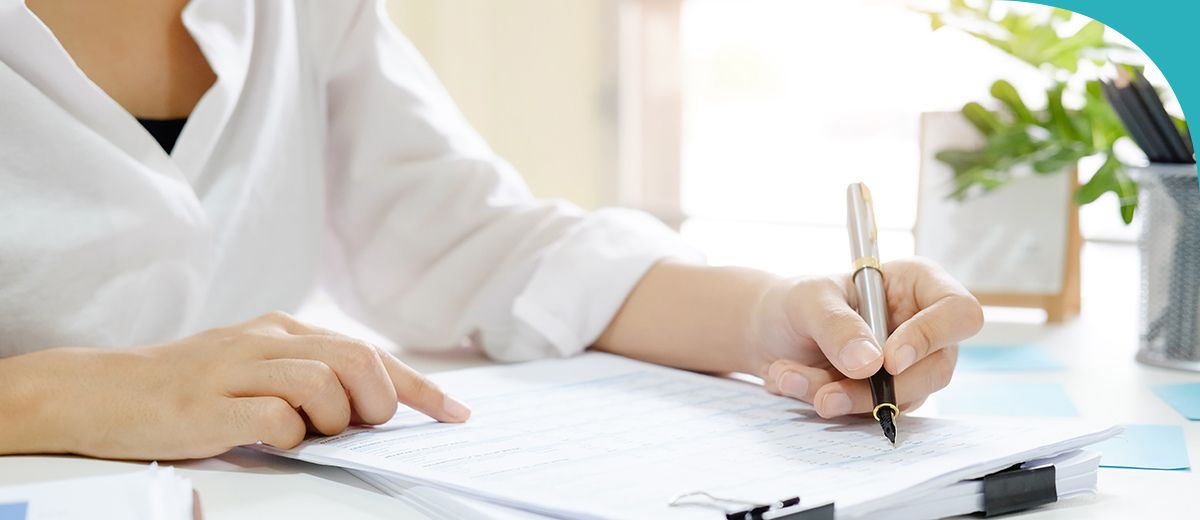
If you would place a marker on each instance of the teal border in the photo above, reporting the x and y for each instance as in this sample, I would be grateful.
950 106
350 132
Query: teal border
1166 30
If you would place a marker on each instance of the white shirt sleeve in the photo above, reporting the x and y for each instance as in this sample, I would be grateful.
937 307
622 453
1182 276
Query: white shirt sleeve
436 241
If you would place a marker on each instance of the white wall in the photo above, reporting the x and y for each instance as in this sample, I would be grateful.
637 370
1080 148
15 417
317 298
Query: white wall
536 77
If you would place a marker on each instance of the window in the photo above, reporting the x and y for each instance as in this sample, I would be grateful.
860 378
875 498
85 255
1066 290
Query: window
785 103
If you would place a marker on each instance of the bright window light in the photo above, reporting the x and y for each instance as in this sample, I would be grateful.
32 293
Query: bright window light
787 102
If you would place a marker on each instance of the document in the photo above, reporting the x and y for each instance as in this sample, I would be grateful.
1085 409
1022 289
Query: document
600 436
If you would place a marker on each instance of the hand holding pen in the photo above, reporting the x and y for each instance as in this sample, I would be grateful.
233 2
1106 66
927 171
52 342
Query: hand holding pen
826 353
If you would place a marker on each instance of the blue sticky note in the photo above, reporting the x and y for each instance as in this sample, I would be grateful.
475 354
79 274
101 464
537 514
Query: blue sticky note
1184 398
1006 398
994 358
13 511
1145 446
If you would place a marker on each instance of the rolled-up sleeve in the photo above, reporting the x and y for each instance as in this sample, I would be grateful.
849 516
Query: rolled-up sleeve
436 242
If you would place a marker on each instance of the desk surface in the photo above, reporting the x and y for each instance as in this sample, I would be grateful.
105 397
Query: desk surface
1102 379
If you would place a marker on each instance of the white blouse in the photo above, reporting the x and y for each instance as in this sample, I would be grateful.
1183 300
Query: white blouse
326 154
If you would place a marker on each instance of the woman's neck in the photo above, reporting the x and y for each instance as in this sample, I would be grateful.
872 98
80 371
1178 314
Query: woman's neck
137 51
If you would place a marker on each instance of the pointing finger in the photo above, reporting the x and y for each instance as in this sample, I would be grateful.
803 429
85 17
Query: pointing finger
419 393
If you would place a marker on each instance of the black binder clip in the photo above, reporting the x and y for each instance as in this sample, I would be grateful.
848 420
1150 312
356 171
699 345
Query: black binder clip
1017 488
735 509
789 509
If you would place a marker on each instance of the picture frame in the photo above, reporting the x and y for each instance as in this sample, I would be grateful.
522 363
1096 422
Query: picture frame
1015 246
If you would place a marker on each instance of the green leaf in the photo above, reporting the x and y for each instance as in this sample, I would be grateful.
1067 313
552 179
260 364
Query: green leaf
1003 45
1127 193
1030 45
983 119
936 22
1068 61
1007 94
1008 147
960 160
1111 177
1103 127
1058 118
1102 182
1180 125
1057 160
1066 52
1016 23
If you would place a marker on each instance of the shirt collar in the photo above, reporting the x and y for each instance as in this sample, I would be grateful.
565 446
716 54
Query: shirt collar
223 29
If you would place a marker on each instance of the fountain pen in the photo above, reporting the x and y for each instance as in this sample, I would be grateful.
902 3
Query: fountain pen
868 281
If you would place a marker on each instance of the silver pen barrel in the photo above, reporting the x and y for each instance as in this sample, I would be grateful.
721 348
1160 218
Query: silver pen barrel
864 252
872 303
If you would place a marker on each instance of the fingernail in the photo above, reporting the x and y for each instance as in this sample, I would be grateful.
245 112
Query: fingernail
455 409
859 353
793 385
836 403
906 355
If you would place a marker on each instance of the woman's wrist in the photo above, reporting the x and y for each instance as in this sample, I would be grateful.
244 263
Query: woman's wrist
769 325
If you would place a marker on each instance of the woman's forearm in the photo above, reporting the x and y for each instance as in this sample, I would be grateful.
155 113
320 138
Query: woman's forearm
29 419
801 335
265 380
692 317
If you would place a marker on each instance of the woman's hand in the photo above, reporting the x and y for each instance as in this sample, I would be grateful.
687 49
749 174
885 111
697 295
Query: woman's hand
810 343
802 336
271 379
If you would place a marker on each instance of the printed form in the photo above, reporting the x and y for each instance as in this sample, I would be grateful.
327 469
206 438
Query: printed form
607 437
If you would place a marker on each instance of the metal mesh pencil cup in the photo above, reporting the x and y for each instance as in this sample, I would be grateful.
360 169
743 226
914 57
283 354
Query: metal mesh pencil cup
1169 201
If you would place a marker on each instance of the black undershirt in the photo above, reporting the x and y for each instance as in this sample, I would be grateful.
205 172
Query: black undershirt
165 131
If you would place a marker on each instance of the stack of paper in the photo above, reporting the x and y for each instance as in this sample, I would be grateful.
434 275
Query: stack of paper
153 494
1075 476
599 436
441 505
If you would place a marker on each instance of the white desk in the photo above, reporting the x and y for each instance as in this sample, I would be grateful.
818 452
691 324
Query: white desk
1103 380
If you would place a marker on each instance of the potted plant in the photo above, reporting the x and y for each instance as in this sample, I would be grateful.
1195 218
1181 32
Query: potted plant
1077 120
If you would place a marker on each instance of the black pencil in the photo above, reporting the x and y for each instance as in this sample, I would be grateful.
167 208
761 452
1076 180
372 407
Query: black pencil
1135 131
1161 121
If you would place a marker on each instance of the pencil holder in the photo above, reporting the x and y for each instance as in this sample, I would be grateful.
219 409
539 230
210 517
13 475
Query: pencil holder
1169 201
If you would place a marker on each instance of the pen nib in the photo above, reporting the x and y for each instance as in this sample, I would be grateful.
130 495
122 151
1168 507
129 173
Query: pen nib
888 425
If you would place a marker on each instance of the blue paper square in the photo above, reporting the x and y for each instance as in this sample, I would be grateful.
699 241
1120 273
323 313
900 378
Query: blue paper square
1145 446
14 511
1006 398
1184 398
996 358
